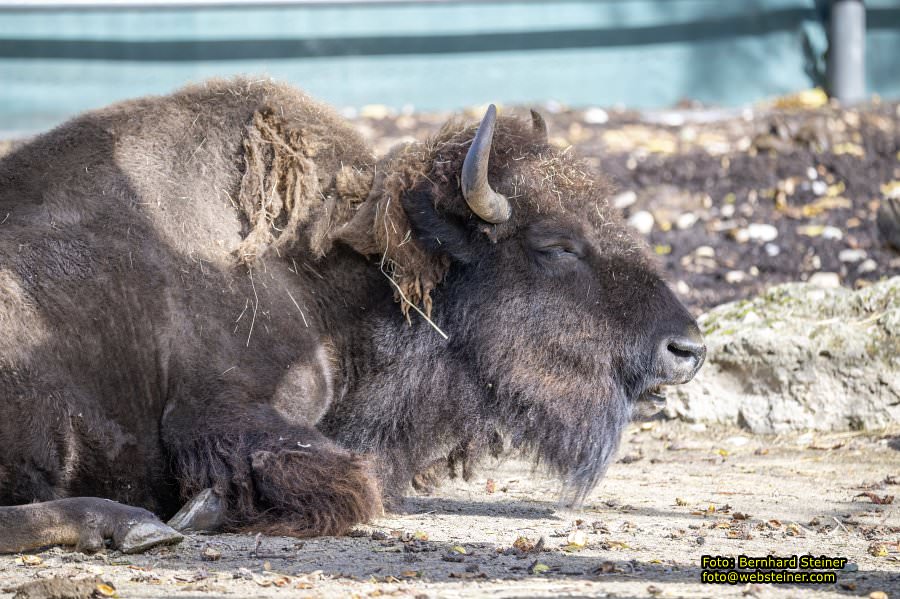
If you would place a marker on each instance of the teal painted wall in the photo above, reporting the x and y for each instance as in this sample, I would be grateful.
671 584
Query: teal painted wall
637 53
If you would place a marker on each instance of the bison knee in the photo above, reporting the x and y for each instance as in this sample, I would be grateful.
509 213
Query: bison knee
322 491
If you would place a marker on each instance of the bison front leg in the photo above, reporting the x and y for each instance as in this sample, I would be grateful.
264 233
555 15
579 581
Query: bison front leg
273 476
83 522
310 492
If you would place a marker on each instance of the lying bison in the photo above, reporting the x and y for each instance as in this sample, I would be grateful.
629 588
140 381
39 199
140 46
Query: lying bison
223 293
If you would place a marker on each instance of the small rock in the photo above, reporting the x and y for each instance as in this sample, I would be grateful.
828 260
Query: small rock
772 250
642 221
811 174
697 427
686 220
832 233
375 111
741 235
727 211
595 116
210 555
682 288
868 266
737 441
624 200
825 279
735 276
762 232
705 251
819 187
851 255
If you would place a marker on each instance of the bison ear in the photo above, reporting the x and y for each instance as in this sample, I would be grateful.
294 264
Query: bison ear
539 126
436 232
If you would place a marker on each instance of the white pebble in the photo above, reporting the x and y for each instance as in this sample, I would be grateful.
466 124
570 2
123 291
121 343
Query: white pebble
737 441
682 288
596 116
832 233
735 276
624 200
812 174
742 235
727 211
819 187
762 232
705 251
825 279
686 220
772 250
868 266
851 255
642 221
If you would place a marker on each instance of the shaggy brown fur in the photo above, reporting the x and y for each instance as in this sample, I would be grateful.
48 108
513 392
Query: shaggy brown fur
194 292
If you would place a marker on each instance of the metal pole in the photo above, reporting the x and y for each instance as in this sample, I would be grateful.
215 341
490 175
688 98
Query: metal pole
847 51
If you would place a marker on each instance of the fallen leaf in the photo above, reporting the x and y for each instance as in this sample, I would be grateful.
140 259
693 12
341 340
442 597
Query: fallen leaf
577 538
618 545
458 549
420 535
31 560
105 590
525 545
490 486
883 500
849 148
538 568
680 501
807 99
878 550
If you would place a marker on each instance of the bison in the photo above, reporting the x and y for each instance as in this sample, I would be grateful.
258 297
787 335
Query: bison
221 296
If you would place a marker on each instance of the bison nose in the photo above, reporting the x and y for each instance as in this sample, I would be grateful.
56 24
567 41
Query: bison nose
680 357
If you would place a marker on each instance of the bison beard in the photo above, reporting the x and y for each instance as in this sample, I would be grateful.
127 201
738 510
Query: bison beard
195 301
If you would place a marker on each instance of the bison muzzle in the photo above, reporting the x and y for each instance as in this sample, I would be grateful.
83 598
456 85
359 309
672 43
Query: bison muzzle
221 297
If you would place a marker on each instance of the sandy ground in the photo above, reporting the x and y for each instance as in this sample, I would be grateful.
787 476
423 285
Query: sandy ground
678 491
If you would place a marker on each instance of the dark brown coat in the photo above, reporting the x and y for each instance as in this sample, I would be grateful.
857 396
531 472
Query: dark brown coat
201 290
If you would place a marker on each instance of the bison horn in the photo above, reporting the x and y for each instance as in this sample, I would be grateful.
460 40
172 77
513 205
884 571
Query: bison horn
484 201
539 125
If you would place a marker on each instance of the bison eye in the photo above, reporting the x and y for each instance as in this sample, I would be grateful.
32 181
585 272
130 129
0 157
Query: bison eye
558 250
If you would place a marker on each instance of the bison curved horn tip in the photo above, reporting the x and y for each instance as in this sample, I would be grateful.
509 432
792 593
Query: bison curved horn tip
484 201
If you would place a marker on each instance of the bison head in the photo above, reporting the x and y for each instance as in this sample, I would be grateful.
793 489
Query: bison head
555 308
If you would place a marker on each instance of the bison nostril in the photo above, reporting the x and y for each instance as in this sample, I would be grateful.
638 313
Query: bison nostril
680 351
680 358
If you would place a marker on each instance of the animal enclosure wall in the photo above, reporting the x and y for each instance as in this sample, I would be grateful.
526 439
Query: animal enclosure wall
55 61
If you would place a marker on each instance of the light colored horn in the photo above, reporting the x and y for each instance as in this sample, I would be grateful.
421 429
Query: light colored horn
484 201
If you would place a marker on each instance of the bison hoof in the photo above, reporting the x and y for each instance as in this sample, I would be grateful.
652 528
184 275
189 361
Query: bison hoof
145 534
204 513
